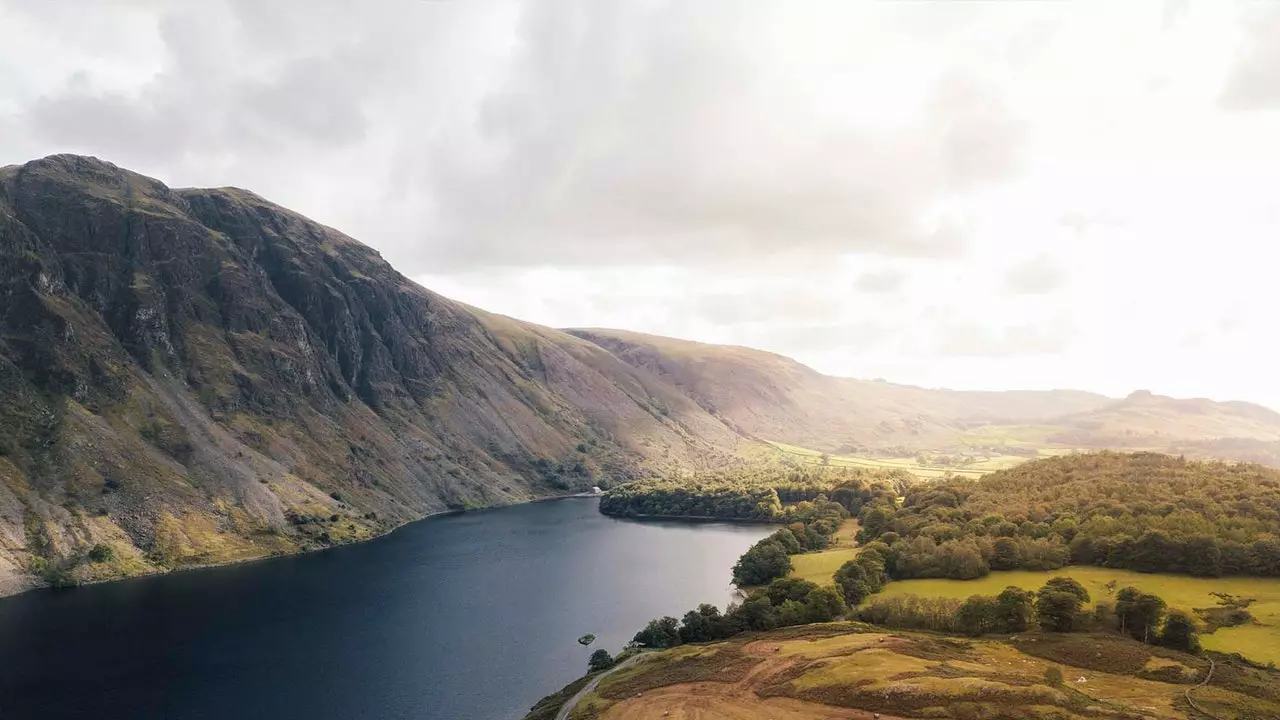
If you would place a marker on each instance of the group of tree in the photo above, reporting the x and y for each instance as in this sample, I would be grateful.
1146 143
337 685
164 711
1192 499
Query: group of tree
781 603
1058 606
765 492
1139 511
863 575
812 526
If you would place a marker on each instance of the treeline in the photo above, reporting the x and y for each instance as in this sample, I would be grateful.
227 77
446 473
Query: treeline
754 493
812 527
782 603
1058 606
1142 511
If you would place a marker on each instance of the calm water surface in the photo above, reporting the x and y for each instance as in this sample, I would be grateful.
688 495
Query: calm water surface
462 617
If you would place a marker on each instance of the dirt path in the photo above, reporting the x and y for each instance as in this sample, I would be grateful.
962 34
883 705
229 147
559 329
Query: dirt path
590 687
1208 676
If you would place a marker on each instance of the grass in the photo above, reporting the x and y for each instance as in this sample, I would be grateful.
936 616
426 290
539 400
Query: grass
807 455
818 567
1259 642
819 672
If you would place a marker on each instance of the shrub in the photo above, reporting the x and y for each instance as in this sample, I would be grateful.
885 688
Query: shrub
101 553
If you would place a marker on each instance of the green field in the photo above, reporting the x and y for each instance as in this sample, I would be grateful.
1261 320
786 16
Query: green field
1259 642
818 567
795 452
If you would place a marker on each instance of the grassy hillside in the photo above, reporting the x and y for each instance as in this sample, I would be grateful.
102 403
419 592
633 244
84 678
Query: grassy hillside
848 670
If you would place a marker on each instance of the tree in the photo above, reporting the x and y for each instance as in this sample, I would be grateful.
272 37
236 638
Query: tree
978 615
824 604
1179 633
700 625
762 563
787 539
852 580
1067 585
1056 610
660 633
1139 614
757 613
600 660
1007 555
1013 610
789 588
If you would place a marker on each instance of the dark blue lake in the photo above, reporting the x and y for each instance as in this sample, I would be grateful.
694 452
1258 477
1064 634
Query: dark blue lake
460 617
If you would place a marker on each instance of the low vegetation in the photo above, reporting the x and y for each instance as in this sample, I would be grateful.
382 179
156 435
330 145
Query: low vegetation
823 672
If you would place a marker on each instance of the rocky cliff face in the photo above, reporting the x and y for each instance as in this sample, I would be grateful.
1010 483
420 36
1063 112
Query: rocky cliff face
197 376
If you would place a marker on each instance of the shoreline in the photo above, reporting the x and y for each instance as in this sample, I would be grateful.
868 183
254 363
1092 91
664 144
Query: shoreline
272 556
692 518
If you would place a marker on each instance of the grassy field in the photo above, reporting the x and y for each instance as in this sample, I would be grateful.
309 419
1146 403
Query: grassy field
847 671
977 469
1259 642
818 567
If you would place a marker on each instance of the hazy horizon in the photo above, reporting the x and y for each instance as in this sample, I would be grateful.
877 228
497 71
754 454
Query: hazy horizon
978 197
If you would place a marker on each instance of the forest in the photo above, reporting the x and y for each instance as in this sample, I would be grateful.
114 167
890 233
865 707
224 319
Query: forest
1141 511
754 493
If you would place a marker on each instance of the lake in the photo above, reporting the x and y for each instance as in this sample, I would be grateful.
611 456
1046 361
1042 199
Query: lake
459 617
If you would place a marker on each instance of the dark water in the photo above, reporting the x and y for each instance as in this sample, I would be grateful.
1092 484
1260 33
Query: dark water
466 617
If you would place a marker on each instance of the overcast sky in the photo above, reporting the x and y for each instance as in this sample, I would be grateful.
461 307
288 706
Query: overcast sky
970 195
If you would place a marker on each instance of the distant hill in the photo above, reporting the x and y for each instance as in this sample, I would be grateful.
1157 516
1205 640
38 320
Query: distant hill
1145 417
769 396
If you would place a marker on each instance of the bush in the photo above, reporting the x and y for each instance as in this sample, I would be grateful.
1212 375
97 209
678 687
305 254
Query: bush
1053 676
101 553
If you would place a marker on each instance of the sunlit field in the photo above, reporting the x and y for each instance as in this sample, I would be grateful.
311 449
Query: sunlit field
1259 642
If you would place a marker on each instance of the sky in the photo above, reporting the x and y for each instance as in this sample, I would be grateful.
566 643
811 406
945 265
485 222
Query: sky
985 195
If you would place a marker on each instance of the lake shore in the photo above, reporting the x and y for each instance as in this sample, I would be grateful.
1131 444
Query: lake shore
15 585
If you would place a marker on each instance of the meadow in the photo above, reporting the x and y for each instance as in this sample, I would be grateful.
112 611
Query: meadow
818 567
1259 642
975 469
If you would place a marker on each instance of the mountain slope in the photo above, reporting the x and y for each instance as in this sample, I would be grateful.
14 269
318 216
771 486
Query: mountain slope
193 376
772 397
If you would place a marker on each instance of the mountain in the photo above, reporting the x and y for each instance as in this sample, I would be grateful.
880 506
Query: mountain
768 396
1146 417
198 376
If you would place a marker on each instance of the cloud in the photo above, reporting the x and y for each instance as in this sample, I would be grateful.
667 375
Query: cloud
883 281
570 133
656 135
1254 83
973 340
1036 276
